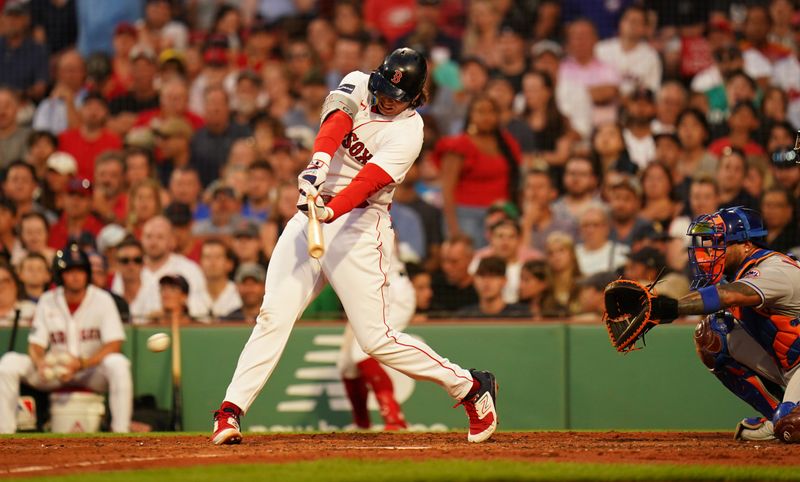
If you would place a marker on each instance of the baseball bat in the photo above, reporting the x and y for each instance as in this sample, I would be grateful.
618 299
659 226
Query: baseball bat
316 245
177 398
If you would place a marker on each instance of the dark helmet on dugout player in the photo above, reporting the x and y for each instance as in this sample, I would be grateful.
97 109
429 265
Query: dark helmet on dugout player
71 257
712 233
401 76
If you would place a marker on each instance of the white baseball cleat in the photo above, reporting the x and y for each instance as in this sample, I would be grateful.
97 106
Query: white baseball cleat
755 428
480 407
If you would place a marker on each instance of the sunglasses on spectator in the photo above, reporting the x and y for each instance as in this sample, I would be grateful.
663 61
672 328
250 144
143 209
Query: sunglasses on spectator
136 260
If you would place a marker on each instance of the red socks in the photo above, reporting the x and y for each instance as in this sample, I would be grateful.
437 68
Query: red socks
356 389
381 384
236 410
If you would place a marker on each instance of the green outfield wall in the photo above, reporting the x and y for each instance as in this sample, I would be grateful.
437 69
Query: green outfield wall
551 376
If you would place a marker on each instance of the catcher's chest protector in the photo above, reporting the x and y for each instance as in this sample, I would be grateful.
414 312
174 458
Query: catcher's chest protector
778 334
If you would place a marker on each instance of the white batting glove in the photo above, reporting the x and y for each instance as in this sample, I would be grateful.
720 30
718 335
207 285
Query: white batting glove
313 176
323 212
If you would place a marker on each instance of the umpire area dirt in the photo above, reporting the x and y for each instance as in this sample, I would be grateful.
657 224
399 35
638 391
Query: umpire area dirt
37 456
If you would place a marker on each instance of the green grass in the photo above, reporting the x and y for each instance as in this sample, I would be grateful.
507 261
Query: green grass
348 470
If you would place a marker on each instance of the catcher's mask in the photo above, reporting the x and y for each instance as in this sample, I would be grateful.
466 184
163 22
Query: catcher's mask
711 234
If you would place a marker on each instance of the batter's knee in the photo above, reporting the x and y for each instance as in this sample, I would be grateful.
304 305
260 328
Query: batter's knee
13 364
116 362
710 338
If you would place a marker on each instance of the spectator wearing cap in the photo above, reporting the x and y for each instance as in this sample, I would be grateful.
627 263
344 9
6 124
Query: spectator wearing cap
110 196
639 113
250 279
609 149
582 67
552 133
76 218
259 186
305 113
174 293
426 34
730 179
91 138
61 167
20 186
216 72
648 265
581 188
34 276
34 230
636 62
596 252
144 203
777 207
592 300
13 137
563 272
141 94
23 60
538 220
224 209
137 287
512 53
221 296
453 283
478 168
532 285
184 187
173 137
671 100
173 101
10 245
211 144
449 105
743 122
180 215
59 111
248 98
625 204
246 244
490 282
158 29
482 32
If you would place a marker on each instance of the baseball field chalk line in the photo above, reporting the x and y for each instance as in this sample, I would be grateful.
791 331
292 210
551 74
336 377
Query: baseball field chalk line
40 468
388 447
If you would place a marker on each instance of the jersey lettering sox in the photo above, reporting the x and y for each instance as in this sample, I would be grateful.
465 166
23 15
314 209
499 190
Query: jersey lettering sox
398 140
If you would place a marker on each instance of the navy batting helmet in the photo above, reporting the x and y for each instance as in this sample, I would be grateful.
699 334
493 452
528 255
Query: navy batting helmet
71 257
712 233
401 76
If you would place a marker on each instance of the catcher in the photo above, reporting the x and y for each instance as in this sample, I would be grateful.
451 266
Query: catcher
750 339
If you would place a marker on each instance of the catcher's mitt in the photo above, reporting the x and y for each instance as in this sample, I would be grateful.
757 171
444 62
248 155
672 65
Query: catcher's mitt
629 308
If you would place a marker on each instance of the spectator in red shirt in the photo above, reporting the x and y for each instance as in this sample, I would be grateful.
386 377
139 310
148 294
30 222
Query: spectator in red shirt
90 138
743 122
77 217
173 102
478 167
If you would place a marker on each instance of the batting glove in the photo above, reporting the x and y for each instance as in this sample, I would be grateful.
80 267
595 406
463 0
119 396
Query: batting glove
312 177
323 212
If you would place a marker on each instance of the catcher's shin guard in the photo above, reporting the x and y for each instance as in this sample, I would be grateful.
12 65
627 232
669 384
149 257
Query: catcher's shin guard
711 342
377 378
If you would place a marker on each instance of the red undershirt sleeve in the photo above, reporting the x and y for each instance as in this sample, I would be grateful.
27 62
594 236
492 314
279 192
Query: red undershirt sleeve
371 179
331 132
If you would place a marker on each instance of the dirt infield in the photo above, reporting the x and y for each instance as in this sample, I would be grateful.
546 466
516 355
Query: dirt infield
38 456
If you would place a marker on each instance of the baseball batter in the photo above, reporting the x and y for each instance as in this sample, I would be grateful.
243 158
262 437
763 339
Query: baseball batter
369 137
750 339
360 372
80 324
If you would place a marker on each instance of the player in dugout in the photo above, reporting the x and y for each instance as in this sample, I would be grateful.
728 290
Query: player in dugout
370 136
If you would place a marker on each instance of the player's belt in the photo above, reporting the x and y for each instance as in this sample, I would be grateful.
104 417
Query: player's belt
326 198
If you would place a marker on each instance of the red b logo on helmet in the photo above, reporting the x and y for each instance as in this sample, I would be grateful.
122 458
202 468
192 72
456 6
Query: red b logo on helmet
397 76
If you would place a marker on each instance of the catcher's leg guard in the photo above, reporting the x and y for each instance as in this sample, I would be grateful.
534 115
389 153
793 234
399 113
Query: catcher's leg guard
711 342
381 384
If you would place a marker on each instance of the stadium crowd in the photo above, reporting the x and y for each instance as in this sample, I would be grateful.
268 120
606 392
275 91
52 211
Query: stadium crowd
566 143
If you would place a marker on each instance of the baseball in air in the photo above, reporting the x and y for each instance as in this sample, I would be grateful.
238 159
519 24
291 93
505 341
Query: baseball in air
158 342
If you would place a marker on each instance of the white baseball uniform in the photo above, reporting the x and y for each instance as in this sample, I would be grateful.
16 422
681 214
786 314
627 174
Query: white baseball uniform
95 323
356 261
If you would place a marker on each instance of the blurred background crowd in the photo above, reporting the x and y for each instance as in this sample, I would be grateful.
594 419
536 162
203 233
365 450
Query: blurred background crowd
566 143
